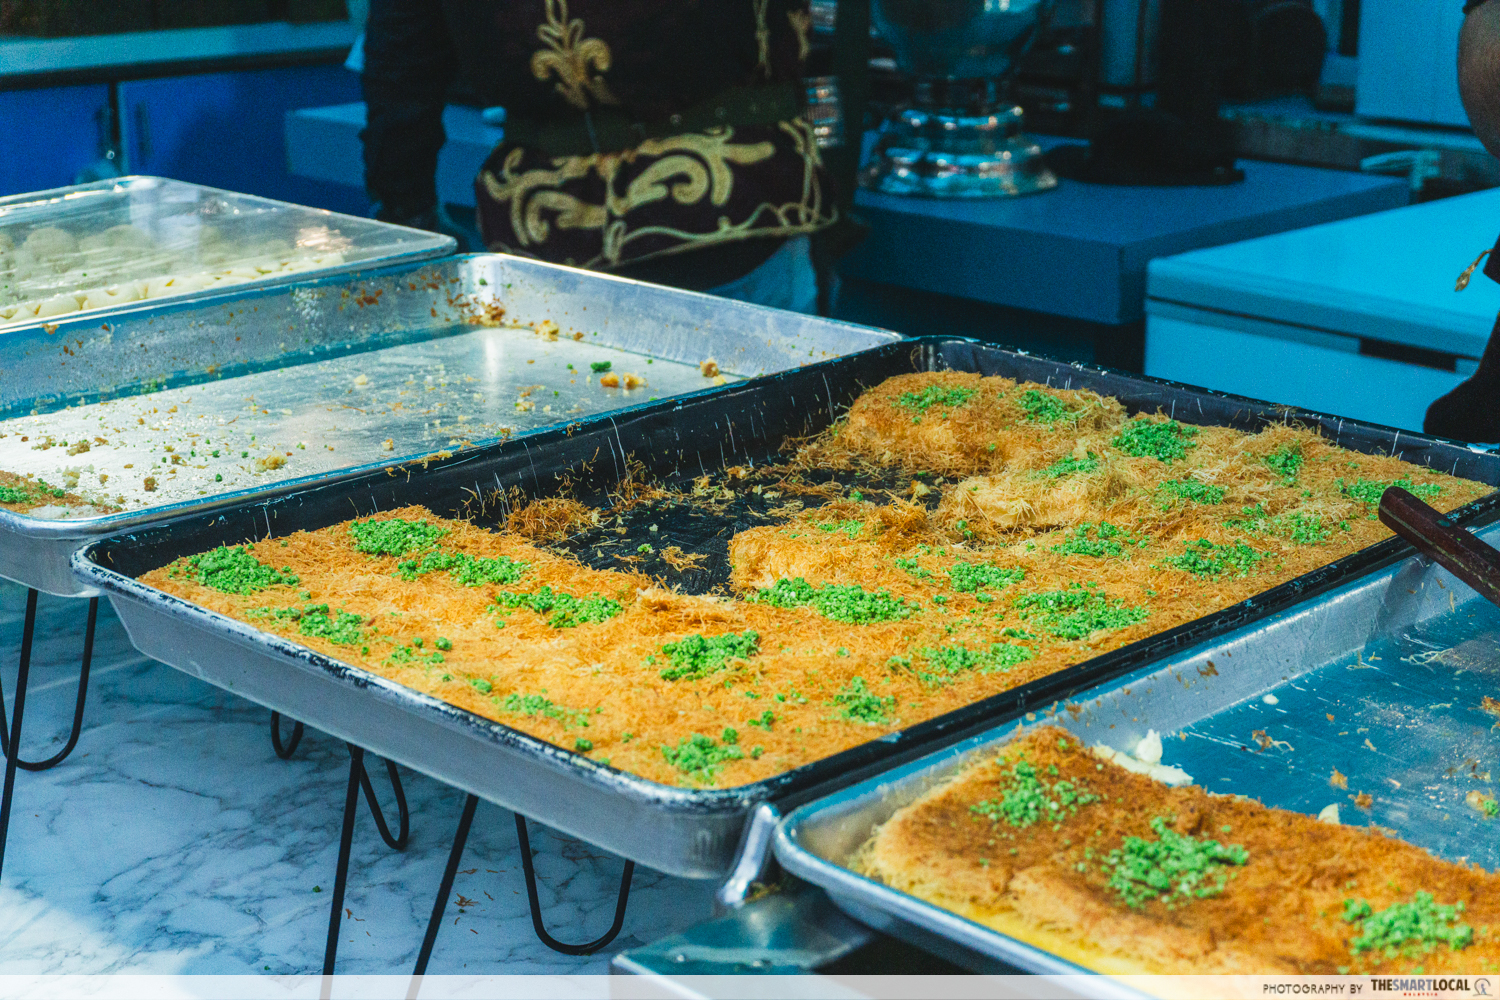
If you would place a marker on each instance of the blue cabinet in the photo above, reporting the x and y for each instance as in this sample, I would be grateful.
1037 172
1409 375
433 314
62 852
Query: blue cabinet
51 134
226 130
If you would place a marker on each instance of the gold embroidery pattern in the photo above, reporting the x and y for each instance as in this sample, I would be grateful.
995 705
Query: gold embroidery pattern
801 22
690 169
573 59
762 38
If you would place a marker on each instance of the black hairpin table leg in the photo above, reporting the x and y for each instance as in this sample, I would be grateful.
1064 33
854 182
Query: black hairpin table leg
346 844
398 842
83 687
284 752
536 909
360 778
13 742
441 903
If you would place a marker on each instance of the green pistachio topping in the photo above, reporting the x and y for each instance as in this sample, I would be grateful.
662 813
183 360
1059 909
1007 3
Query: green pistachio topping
1077 612
1042 408
1100 541
696 656
842 602
233 570
858 703
342 628
1286 462
849 528
395 536
700 758
1211 560
1070 466
1304 529
1190 491
412 653
1410 929
533 705
562 610
1174 869
462 568
1028 798
968 578
913 568
1163 440
1370 491
946 663
936 395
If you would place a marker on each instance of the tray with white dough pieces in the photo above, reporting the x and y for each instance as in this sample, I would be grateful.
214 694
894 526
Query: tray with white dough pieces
112 244
112 422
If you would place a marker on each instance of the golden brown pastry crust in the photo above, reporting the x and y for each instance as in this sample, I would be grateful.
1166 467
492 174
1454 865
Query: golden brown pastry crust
1281 913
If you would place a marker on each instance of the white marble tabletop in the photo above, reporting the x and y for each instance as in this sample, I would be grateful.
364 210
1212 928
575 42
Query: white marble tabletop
173 841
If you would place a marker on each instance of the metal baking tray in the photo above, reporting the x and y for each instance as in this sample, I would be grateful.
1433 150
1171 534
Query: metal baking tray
692 833
1400 660
342 376
92 249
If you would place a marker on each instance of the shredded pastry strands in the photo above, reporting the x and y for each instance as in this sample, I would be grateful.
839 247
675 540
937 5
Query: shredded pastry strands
952 538
1468 274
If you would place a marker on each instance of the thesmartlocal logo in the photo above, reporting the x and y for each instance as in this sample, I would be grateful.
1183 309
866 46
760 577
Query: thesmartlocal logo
1434 986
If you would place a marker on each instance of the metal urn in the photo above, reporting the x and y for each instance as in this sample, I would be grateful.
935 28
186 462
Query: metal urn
960 138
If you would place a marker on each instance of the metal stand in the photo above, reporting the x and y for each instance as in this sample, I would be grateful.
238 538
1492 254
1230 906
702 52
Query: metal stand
83 685
10 736
359 777
284 752
456 854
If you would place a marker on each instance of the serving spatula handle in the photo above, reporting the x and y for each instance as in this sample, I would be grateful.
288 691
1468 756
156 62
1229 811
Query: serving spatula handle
1455 549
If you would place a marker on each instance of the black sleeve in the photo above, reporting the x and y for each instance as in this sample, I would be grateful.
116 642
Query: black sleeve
409 64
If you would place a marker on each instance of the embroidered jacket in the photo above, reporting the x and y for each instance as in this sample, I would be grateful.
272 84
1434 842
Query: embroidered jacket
638 128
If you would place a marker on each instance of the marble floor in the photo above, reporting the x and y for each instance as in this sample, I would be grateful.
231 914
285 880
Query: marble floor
174 841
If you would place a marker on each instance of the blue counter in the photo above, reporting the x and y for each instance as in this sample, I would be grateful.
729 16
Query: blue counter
1081 251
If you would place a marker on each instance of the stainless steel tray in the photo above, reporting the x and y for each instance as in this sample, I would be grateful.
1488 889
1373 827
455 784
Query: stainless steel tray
89 250
1400 659
693 833
343 375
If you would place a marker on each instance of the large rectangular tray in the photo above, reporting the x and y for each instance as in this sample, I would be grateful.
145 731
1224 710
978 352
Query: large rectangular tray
1371 654
129 234
325 347
686 832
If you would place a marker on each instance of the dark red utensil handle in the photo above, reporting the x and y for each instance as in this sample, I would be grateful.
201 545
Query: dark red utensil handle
1455 549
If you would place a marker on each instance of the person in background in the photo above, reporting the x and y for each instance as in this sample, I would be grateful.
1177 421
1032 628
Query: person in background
656 139
1472 411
